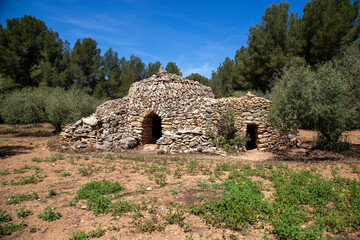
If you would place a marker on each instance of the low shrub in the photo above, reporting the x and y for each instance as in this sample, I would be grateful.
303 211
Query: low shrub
22 212
49 214
18 198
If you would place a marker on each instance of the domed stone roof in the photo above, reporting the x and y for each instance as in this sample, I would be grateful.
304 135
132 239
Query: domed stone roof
167 85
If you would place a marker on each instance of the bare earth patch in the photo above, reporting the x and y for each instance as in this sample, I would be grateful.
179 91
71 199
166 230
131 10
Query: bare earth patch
25 153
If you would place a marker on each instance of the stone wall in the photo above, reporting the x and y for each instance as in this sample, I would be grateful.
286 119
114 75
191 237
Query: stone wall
186 109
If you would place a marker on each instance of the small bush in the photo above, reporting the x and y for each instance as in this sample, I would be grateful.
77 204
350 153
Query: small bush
7 229
25 180
94 192
32 228
100 187
226 136
6 172
84 171
17 198
37 159
98 232
4 217
79 235
65 174
49 214
22 212
52 194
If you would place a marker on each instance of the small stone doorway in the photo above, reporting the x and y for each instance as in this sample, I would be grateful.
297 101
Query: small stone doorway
251 133
152 129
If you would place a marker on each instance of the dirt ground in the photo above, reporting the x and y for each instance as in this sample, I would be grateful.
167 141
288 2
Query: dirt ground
17 148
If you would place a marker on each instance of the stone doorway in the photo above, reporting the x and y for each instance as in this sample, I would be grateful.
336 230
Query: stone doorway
152 129
251 132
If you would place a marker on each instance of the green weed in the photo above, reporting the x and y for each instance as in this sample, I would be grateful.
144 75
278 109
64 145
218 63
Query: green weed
37 159
5 172
65 174
25 180
4 217
33 228
18 198
141 189
7 229
79 235
94 192
173 191
49 214
22 212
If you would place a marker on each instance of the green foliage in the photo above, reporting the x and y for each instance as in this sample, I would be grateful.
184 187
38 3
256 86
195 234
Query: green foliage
132 71
100 187
173 191
160 178
324 98
303 205
53 105
85 64
122 206
79 235
4 217
329 27
152 68
94 192
18 198
141 189
65 174
7 229
25 180
325 30
52 194
226 136
149 225
64 107
172 68
201 79
37 159
96 233
22 212
176 217
84 171
32 228
49 214
22 44
240 205
5 172
24 107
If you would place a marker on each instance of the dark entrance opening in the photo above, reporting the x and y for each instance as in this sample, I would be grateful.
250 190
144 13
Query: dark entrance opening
251 132
152 130
156 128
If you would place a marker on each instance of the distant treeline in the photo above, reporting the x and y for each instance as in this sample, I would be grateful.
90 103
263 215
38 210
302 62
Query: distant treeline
32 55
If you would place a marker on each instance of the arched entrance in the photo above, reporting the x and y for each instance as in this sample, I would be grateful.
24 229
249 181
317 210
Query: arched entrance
251 133
152 129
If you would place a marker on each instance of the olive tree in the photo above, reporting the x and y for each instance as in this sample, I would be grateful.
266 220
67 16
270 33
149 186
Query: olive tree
53 105
325 97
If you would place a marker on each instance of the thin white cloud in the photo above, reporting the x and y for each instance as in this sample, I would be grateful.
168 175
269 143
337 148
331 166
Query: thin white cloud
204 70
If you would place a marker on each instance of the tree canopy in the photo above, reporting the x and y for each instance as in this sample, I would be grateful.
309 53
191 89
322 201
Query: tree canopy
325 30
326 98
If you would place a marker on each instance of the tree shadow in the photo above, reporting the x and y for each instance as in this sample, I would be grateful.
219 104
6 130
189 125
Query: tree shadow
8 151
307 154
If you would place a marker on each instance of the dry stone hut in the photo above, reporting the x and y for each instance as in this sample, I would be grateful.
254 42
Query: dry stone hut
173 112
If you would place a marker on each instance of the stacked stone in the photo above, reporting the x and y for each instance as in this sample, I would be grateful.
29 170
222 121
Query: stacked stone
187 110
252 110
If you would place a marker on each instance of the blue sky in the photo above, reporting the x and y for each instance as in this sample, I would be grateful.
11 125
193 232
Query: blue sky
196 34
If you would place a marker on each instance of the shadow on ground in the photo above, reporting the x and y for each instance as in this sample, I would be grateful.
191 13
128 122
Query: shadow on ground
307 154
8 151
